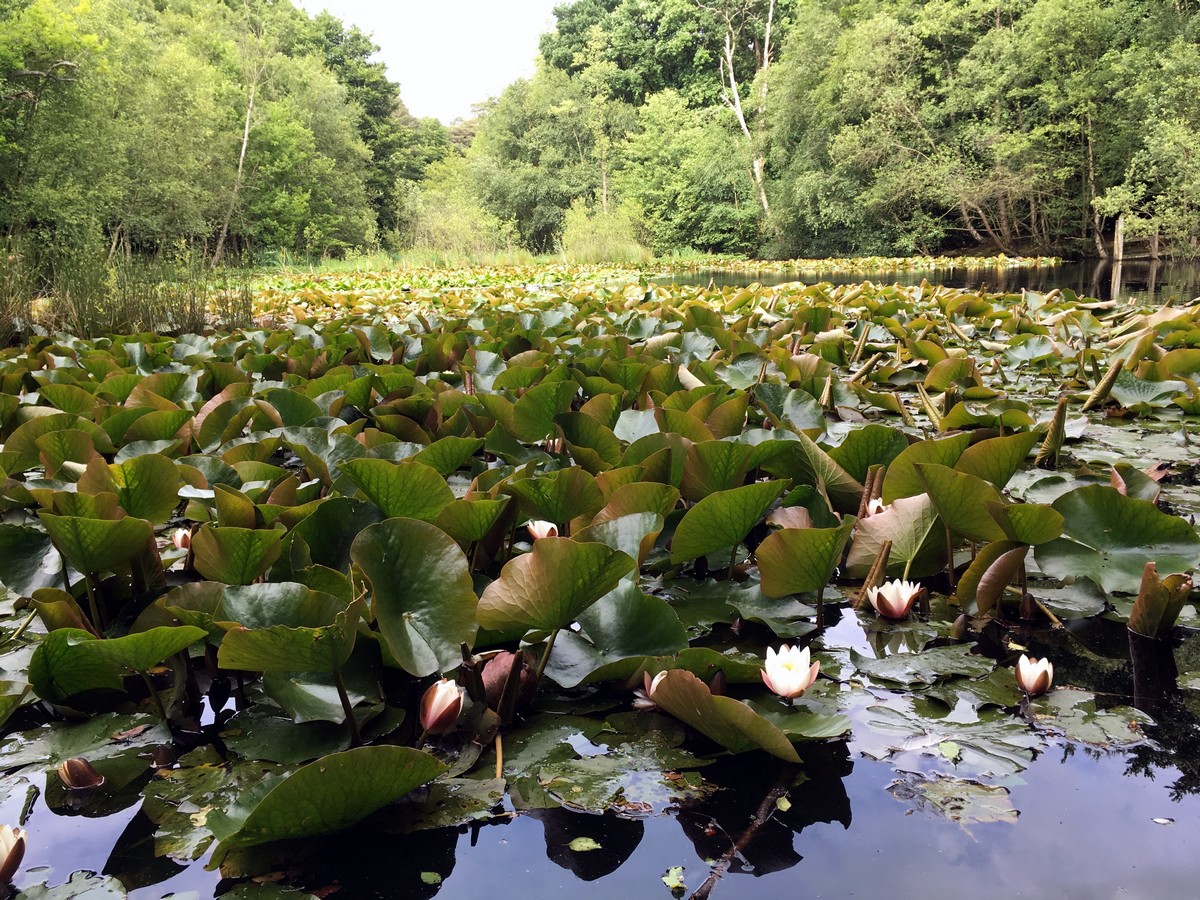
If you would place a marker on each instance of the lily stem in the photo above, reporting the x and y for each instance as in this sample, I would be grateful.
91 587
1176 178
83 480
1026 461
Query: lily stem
546 654
162 710
950 558
16 635
907 566
347 708
93 605
499 755
732 562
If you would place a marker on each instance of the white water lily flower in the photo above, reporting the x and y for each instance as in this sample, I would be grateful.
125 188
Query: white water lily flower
1034 676
540 528
787 672
876 506
641 696
894 599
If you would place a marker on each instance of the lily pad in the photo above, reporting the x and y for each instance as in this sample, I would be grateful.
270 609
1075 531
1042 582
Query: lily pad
325 796
728 722
1109 538
421 593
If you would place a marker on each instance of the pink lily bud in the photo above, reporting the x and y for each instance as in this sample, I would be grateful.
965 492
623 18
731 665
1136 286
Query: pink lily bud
441 706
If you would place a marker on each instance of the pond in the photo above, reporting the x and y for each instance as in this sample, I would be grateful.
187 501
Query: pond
358 495
1142 281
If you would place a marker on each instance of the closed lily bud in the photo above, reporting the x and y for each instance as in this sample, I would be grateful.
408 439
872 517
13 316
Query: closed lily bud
182 538
1034 676
958 630
539 528
78 774
495 678
12 849
441 706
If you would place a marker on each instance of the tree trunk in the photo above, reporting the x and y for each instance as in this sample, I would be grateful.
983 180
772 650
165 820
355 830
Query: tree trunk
1097 220
241 166
733 99
965 217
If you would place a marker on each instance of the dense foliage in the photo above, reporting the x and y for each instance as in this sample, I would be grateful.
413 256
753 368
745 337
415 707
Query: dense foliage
139 127
807 127
870 127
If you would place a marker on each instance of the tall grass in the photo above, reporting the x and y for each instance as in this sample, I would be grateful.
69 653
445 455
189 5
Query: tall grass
595 236
78 289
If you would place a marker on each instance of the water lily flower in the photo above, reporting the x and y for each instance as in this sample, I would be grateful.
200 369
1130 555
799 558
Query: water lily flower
894 599
182 538
875 506
441 706
788 672
77 774
1034 676
641 696
540 528
12 849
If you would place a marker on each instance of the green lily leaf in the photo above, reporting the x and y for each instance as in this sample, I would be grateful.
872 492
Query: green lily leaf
796 560
868 446
624 623
57 670
712 466
146 649
323 797
961 501
332 527
902 479
560 496
996 460
722 519
549 587
1029 523
994 568
533 415
926 667
97 545
634 534
147 486
422 593
449 454
285 627
728 722
470 520
235 555
28 560
1075 715
402 490
805 462
1109 538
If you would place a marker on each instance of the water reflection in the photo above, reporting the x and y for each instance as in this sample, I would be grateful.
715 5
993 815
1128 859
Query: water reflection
1151 281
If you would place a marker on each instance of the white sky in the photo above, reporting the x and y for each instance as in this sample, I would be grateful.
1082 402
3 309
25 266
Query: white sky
448 54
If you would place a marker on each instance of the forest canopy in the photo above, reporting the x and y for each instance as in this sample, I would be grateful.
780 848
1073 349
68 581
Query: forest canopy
733 126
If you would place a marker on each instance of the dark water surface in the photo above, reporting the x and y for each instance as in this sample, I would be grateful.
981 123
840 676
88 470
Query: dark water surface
1142 280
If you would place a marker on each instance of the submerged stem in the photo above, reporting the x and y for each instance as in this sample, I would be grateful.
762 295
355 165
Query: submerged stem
162 710
546 654
347 708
